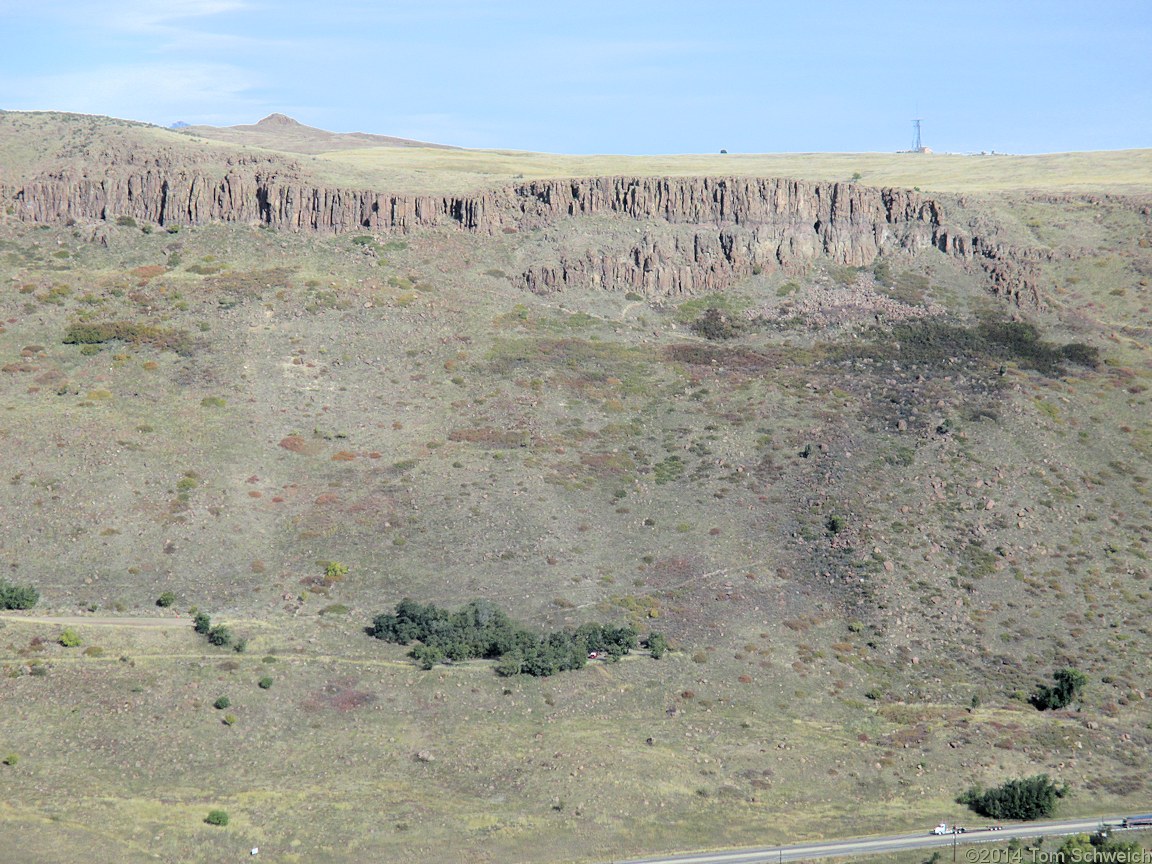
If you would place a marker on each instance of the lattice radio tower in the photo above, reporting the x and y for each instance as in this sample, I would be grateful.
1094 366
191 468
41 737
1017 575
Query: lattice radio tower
917 144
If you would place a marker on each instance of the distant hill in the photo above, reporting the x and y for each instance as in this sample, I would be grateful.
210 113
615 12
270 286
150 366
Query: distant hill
280 132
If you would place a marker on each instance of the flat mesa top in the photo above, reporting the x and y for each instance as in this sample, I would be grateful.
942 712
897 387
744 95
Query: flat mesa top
368 161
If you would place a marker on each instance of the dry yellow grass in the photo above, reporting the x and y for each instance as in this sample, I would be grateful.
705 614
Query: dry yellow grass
427 170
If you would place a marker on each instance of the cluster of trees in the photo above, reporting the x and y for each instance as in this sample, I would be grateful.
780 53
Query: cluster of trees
1027 799
481 630
1069 683
13 596
1098 848
217 634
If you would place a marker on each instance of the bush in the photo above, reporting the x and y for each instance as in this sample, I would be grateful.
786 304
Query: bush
264 683
716 325
657 644
221 703
166 599
1069 684
202 623
217 817
1031 798
14 596
69 638
220 635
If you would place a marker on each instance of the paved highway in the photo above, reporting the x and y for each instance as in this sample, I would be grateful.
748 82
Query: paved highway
895 842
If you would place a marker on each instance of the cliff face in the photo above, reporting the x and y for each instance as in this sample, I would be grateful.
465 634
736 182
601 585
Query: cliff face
725 229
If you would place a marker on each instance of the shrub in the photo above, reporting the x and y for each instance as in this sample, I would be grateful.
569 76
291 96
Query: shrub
657 644
202 623
221 703
1069 684
69 638
1031 798
166 599
131 332
217 817
220 635
264 683
14 596
11 759
716 325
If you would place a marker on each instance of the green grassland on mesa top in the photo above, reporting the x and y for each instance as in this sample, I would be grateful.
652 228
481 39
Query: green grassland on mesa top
868 543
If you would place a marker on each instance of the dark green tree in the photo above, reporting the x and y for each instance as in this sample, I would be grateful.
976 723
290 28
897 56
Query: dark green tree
1069 684
202 623
13 596
1027 799
657 644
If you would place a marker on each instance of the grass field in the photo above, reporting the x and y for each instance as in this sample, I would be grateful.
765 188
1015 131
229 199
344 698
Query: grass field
1121 172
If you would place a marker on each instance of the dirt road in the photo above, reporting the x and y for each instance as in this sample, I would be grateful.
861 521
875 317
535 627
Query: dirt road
97 621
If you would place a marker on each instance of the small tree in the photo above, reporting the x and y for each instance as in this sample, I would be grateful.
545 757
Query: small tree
1069 684
221 703
220 635
1027 799
657 644
69 638
202 623
14 596
166 599
264 683
217 817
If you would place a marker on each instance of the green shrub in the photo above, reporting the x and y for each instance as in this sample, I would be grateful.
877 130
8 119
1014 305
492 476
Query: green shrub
264 683
1069 684
220 635
166 599
131 332
657 644
202 623
69 638
716 324
11 760
14 596
217 817
221 703
1028 799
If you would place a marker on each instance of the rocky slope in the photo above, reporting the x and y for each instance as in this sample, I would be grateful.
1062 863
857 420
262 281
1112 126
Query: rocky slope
729 228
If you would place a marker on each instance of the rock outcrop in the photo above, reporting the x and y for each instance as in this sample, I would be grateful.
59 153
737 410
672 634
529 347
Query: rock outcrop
722 229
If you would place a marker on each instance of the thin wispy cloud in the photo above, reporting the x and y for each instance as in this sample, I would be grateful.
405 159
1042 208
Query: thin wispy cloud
148 92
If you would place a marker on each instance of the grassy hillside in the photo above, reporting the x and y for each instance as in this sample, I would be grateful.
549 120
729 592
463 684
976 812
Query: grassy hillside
871 523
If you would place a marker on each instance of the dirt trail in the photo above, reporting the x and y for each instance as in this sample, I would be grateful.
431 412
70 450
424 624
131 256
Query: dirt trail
88 620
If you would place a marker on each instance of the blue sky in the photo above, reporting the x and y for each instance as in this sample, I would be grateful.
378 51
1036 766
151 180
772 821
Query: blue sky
605 76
